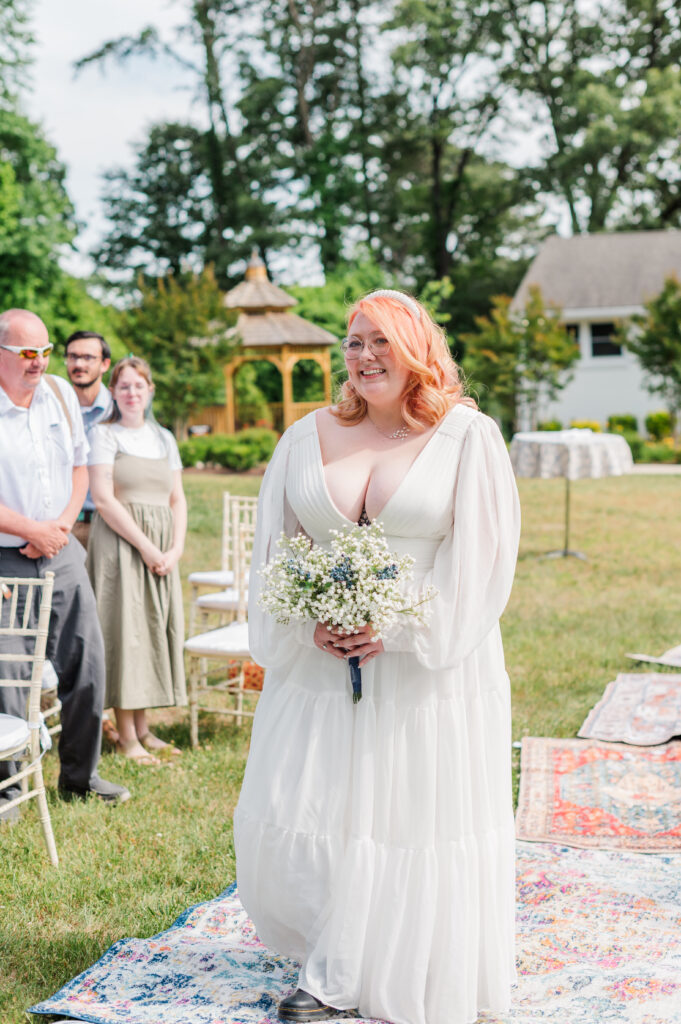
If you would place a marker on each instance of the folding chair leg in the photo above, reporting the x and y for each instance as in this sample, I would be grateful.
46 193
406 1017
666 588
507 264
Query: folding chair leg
44 815
194 671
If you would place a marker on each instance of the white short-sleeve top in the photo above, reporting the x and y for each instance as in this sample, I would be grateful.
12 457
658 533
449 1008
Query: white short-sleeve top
150 441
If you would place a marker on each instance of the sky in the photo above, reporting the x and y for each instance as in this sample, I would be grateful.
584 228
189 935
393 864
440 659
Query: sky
93 117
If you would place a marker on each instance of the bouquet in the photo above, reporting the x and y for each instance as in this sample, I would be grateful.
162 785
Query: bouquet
359 581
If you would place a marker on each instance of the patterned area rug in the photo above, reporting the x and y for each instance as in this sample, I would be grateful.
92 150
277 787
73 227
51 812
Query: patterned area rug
642 708
604 795
599 942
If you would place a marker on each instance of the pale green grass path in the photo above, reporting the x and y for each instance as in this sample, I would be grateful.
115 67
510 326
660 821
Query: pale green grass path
132 870
569 623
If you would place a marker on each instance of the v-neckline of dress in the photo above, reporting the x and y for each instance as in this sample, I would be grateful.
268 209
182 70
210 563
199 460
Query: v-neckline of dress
412 465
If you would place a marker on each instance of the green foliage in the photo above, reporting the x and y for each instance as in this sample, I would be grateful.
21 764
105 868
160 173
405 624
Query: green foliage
15 40
660 425
605 81
622 423
636 443
655 338
652 452
549 425
238 452
516 358
251 404
180 326
35 212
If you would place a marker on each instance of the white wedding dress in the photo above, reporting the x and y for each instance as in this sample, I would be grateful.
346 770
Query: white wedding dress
375 842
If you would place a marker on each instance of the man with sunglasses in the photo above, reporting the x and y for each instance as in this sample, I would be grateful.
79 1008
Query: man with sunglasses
88 358
43 483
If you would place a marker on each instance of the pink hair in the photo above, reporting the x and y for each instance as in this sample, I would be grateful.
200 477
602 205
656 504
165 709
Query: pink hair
418 343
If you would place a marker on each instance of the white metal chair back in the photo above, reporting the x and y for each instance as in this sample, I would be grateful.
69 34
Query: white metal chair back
23 638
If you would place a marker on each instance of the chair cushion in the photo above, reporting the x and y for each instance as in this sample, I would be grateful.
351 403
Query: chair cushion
213 578
222 600
14 733
228 642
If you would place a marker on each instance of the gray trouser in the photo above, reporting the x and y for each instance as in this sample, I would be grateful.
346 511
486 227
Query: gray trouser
76 649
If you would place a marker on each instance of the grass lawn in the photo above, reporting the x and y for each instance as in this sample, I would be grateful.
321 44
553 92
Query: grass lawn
131 870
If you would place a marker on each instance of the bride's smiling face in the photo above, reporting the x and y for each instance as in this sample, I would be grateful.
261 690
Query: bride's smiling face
379 379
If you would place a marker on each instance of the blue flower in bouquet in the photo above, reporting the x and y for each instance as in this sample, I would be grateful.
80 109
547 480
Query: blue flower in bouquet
359 581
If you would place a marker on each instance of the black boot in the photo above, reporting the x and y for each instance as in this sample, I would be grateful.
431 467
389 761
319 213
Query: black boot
301 1006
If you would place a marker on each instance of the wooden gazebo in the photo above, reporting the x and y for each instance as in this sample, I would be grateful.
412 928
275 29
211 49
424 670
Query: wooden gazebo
266 330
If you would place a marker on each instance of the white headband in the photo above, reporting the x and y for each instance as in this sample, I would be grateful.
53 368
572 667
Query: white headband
390 293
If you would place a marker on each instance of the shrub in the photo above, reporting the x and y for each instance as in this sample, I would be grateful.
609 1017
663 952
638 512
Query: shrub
660 424
549 425
636 443
660 453
623 423
586 425
194 450
238 452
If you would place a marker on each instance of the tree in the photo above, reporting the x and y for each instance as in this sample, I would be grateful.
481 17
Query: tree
180 326
15 40
35 211
233 207
160 211
655 338
518 358
606 86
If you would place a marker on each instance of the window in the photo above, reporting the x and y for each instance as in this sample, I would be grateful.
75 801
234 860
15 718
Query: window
601 341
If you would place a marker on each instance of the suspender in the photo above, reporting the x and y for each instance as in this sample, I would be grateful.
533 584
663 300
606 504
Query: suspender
54 387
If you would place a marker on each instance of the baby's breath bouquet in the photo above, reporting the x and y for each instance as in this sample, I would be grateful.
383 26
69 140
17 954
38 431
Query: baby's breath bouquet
358 581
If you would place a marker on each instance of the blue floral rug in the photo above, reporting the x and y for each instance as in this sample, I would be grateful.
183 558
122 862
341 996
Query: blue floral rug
599 942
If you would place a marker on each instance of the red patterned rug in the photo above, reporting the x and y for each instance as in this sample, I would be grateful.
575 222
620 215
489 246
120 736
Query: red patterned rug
643 708
608 796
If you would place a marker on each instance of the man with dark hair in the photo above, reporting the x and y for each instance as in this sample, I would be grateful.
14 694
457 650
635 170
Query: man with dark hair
43 481
88 357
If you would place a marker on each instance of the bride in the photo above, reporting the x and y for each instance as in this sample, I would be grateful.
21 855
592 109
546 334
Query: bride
375 842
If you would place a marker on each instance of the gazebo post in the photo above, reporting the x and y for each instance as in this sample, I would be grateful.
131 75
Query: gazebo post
326 369
287 386
229 397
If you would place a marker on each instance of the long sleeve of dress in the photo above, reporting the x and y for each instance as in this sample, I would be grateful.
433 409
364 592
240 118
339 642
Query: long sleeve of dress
475 563
271 643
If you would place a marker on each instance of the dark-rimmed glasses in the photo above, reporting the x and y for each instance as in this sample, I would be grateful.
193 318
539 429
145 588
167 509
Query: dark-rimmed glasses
75 357
28 353
352 348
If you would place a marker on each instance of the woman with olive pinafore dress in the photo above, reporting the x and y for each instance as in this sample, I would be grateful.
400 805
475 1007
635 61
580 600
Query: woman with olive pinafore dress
140 612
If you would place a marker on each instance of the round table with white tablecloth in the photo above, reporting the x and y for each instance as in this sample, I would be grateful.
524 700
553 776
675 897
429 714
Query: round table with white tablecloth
573 454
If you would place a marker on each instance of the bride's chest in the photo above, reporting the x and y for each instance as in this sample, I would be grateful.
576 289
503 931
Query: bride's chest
365 478
409 495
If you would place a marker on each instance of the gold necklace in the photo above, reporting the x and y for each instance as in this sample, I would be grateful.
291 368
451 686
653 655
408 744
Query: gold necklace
397 435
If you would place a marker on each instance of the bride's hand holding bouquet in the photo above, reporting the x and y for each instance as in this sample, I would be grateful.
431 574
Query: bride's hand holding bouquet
354 592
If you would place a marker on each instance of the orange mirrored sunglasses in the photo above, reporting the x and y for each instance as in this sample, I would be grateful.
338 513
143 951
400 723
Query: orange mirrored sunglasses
28 353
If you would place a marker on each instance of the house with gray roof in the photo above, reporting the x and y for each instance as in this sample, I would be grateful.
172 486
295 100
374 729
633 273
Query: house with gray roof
598 281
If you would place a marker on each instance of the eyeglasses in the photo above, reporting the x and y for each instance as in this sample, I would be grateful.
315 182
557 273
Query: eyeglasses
28 353
74 357
353 348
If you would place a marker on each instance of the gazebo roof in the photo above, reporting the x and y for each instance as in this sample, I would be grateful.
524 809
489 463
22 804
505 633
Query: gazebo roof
263 321
256 293
272 329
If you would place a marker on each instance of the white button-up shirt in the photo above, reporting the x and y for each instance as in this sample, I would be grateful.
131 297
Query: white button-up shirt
38 453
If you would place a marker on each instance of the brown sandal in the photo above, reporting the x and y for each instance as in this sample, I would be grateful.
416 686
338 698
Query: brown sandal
155 745
143 758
